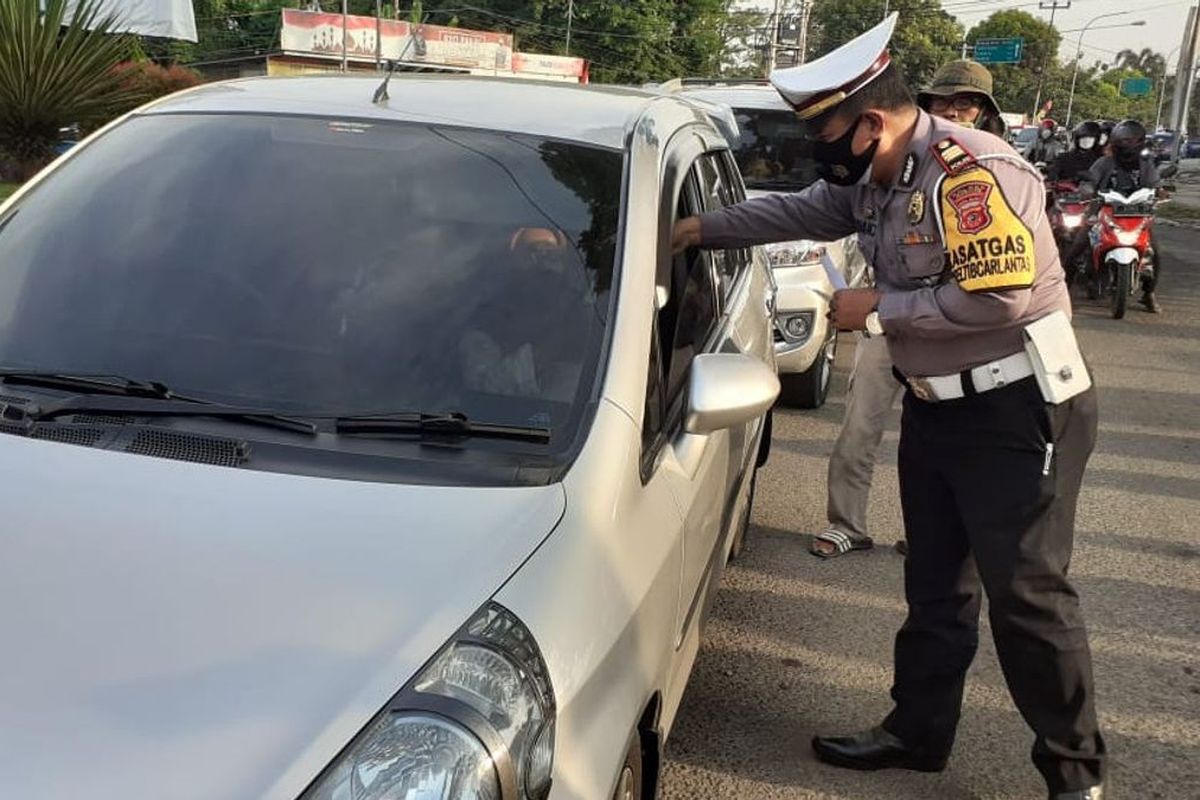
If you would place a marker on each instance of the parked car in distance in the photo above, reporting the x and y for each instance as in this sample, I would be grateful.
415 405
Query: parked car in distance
362 449
1162 146
773 156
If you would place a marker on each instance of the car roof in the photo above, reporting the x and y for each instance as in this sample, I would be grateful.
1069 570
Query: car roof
595 115
762 97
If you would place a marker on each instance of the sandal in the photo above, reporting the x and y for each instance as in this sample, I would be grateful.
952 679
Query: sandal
842 543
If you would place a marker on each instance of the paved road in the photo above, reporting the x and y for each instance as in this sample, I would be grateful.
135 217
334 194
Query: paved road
798 645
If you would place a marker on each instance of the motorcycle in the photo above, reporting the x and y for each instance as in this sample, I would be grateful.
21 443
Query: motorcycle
1122 256
1067 211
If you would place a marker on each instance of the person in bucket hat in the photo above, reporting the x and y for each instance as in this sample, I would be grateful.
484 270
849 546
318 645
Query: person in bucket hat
961 92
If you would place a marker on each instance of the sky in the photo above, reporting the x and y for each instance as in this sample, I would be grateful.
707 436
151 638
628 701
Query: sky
1165 20
1163 31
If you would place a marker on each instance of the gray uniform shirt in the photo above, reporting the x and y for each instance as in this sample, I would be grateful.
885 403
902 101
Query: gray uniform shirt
933 325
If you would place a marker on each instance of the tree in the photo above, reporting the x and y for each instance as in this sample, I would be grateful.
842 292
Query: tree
926 36
1016 85
1146 62
56 70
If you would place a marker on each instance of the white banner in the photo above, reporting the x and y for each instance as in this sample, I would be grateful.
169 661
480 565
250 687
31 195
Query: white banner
172 19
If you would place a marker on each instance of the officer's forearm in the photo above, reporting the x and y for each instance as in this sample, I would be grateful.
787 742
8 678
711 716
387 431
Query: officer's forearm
772 218
946 311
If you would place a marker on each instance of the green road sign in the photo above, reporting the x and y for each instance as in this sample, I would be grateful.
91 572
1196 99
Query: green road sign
999 51
1136 87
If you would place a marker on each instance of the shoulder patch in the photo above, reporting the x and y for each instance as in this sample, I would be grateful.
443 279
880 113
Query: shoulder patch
953 157
990 248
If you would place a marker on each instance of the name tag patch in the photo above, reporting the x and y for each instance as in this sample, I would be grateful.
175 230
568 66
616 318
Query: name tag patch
990 248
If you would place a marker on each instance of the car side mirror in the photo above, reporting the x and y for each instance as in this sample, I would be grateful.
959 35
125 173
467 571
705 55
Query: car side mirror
728 389
1168 170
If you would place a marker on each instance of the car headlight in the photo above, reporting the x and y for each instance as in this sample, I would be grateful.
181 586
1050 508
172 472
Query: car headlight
802 253
1072 220
476 724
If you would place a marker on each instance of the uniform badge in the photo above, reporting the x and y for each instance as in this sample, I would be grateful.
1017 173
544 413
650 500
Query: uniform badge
970 202
916 208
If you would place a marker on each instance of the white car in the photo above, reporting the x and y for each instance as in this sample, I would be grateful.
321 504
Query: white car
361 450
774 156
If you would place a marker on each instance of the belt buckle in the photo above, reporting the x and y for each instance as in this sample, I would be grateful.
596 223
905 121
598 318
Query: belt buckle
923 389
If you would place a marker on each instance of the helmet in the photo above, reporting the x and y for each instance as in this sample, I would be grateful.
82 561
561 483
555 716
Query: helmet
1049 123
961 77
1106 126
1087 135
1128 141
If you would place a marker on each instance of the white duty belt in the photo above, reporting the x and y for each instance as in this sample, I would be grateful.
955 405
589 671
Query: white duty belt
984 378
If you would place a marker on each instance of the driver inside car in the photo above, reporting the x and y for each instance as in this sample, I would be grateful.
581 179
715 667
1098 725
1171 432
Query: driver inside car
499 355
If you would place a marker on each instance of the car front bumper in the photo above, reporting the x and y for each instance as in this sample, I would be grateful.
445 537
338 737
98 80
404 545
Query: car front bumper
802 290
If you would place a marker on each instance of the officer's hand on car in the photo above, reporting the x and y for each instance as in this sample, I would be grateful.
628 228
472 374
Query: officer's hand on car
849 308
685 235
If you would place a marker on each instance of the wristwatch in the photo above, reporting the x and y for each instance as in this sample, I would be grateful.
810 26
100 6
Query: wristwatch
874 326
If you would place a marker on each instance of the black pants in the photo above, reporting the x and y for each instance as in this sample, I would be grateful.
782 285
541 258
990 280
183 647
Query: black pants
976 479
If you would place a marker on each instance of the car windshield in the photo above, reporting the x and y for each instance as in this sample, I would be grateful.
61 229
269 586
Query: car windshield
1026 135
321 266
772 152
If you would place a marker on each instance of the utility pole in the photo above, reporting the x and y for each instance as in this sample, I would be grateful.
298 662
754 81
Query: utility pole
570 19
963 55
1185 76
378 35
1052 6
802 44
345 11
1162 89
773 38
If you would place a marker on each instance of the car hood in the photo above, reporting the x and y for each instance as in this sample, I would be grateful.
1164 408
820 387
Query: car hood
187 631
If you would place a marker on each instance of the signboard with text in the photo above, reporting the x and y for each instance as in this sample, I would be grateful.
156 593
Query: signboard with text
999 51
1136 87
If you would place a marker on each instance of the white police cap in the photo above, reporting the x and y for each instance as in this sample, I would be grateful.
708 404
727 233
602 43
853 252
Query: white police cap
814 88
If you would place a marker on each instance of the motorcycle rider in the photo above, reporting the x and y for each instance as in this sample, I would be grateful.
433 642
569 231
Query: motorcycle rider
1045 148
1106 126
1085 150
1129 167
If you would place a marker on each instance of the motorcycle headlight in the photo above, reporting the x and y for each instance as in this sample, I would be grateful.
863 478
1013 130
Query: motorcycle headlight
1072 220
1128 238
476 724
794 254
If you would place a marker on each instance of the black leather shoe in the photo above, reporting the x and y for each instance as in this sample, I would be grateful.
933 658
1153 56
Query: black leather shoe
875 749
1151 303
1094 793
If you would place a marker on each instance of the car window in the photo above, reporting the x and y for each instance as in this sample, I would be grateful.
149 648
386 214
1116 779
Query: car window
682 328
313 266
772 152
718 189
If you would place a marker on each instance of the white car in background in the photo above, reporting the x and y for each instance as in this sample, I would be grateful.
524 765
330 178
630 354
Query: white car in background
357 450
773 156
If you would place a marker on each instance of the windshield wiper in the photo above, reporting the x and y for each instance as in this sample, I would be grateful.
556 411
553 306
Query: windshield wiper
160 406
95 383
453 425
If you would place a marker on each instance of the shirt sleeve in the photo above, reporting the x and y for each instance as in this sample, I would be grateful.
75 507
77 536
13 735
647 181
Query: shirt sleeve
1150 177
967 305
821 212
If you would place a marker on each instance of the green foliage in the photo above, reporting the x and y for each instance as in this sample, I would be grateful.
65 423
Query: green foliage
926 36
56 70
1016 85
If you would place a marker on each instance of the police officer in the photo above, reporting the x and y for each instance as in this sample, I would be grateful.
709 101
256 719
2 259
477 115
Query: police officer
992 453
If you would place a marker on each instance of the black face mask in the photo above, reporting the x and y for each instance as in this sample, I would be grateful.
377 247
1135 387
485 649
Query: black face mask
1127 156
836 162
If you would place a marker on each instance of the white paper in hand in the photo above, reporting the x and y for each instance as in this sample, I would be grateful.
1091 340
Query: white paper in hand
835 275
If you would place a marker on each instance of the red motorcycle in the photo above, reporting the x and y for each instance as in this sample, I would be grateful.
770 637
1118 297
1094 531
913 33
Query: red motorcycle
1122 256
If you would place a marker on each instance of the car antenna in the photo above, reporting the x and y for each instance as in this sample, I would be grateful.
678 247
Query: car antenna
381 94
